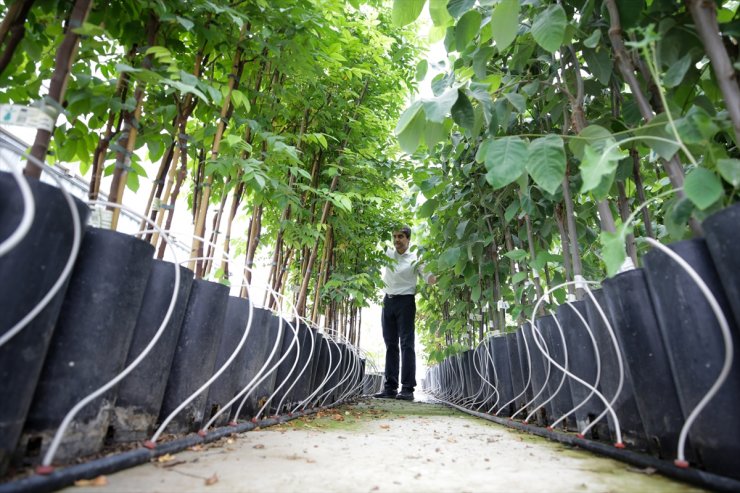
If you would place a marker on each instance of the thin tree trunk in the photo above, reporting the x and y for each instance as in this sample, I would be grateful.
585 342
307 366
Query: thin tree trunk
12 30
624 212
565 243
182 151
640 189
211 251
65 57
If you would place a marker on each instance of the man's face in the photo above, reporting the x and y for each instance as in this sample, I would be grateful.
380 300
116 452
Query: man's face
400 241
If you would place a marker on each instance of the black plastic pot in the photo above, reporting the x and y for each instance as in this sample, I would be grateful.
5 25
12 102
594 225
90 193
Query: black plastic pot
140 393
562 402
582 360
38 260
271 333
515 364
525 358
195 356
633 433
636 327
696 351
226 386
322 372
316 375
286 373
504 385
722 234
539 377
90 344
305 366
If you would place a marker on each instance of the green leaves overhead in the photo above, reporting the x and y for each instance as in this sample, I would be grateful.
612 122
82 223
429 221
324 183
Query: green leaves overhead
505 23
462 112
449 258
504 158
548 28
546 162
467 29
406 11
456 8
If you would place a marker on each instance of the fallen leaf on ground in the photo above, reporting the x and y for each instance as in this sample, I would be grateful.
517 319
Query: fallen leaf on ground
196 448
259 446
230 440
337 417
212 480
385 427
451 440
173 464
99 481
165 458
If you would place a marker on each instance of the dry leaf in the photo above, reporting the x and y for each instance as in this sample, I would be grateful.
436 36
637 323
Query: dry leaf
165 458
230 441
337 417
451 440
212 480
99 481
173 464
196 448
259 446
346 413
385 427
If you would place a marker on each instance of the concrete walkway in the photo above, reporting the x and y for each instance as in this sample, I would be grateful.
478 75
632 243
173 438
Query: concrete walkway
384 446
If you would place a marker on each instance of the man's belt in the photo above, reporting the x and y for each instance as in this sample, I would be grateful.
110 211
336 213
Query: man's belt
391 296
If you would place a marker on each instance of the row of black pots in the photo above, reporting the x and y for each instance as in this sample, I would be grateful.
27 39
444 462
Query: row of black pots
114 301
669 342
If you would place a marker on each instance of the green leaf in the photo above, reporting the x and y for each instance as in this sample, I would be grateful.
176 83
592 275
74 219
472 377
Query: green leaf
703 188
594 135
460 229
448 258
475 293
433 133
456 8
696 127
548 28
466 29
657 128
511 211
505 160
186 23
546 162
421 70
593 40
462 112
406 11
613 248
599 63
517 101
729 169
677 71
407 116
516 254
410 138
438 108
596 165
505 23
438 13
427 209
518 277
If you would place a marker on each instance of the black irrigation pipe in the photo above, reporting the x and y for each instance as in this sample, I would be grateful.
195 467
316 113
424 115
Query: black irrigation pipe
693 476
66 476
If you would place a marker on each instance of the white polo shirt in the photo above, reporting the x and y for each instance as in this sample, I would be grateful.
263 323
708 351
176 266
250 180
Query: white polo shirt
400 277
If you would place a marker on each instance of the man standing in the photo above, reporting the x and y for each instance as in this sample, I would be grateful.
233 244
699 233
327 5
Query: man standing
399 311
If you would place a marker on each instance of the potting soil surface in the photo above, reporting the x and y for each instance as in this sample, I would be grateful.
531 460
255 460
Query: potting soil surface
386 446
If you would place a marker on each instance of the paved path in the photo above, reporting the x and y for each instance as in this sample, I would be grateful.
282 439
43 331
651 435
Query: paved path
384 446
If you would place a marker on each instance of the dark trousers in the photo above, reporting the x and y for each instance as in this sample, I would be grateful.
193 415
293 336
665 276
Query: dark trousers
398 326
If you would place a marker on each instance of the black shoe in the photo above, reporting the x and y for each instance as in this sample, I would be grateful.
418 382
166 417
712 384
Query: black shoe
385 394
405 395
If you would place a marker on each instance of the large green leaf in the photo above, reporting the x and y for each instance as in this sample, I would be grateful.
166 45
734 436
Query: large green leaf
448 258
438 13
466 29
546 162
438 108
676 72
548 28
730 171
434 133
462 112
657 137
516 254
703 188
596 165
408 116
411 136
505 23
456 8
406 11
594 135
599 63
505 160
427 208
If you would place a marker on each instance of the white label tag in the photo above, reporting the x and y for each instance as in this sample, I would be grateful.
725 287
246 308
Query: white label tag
25 116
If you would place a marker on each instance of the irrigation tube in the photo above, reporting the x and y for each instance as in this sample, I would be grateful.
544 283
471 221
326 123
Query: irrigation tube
76 242
66 476
29 210
693 476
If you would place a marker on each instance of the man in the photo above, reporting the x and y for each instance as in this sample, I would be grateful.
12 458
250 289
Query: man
399 311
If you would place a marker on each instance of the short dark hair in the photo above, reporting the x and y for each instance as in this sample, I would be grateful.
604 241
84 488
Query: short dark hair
405 230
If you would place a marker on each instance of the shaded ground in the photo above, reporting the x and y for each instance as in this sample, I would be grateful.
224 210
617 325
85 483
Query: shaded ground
382 445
